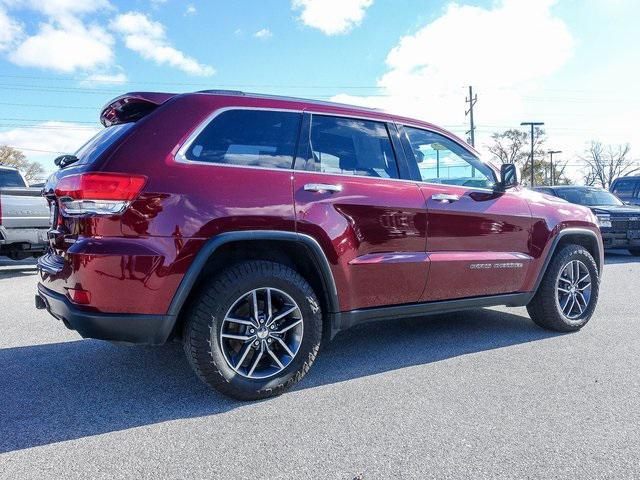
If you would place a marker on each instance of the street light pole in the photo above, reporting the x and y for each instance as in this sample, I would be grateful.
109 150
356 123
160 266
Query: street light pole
533 125
551 152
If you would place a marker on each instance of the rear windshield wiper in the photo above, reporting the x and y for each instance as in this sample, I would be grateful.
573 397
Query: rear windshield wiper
64 160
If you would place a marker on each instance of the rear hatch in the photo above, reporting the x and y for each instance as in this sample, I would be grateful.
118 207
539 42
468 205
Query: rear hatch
85 201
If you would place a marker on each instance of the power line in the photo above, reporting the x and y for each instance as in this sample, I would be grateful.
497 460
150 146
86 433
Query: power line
40 105
47 120
30 149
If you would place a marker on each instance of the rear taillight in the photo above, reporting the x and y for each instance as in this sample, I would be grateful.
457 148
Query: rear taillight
97 193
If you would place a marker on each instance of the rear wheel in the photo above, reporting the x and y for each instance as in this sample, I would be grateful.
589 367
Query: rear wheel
635 252
254 330
568 293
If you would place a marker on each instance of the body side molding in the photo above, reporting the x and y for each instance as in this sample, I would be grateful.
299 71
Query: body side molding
344 320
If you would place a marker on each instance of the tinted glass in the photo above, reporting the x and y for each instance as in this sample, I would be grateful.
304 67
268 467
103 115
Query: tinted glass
256 138
625 188
441 160
590 197
10 178
91 150
351 147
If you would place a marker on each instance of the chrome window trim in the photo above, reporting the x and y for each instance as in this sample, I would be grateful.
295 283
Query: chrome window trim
386 128
180 156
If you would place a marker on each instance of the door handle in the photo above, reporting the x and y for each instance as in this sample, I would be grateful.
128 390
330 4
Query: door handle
322 187
445 197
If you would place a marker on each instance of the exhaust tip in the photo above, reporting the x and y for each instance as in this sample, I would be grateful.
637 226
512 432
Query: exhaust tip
40 303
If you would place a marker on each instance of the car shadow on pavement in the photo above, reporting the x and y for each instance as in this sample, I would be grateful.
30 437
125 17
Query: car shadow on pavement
619 256
14 272
64 391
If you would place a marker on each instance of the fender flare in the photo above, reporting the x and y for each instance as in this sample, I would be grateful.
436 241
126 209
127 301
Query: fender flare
554 245
317 255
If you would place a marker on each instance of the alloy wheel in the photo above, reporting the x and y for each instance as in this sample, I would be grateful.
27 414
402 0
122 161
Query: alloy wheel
573 289
261 333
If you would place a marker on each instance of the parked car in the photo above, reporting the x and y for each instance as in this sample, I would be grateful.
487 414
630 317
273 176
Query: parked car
627 189
619 223
24 217
253 228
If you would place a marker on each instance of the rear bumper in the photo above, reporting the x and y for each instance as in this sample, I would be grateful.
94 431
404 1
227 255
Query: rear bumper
115 327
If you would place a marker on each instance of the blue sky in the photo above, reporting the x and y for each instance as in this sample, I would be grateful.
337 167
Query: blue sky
573 64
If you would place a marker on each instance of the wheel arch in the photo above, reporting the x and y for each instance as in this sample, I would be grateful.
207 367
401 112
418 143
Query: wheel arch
579 236
299 251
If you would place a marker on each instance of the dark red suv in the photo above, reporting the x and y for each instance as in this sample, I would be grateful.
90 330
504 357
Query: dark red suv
253 228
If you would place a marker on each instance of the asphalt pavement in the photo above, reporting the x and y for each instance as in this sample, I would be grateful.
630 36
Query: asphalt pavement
478 394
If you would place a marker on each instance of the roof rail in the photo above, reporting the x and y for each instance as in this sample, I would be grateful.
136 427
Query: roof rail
284 97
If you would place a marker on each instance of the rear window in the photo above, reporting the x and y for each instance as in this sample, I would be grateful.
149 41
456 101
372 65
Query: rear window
10 178
625 188
252 138
99 143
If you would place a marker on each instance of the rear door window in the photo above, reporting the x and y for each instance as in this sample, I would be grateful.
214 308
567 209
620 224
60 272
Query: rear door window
625 188
251 138
349 146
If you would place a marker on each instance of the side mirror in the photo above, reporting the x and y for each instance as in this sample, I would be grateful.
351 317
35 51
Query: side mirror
510 176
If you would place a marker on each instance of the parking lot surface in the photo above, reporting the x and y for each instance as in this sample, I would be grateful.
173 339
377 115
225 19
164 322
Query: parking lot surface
478 394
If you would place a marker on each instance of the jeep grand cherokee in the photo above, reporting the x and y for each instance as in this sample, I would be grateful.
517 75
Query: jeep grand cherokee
253 228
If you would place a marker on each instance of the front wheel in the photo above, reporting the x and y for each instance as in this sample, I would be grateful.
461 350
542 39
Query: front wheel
635 252
568 293
254 330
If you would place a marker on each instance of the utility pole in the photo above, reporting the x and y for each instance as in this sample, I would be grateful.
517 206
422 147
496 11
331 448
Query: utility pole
533 125
551 152
471 101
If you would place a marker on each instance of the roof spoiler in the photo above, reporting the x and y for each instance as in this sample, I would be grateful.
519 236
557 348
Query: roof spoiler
132 106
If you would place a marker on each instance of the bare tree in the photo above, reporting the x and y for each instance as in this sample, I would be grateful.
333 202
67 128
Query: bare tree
513 146
605 163
510 146
12 157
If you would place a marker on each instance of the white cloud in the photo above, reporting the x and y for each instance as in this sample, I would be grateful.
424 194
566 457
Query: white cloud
94 79
61 8
63 43
10 30
65 47
263 34
148 38
46 141
191 10
332 17
238 32
504 51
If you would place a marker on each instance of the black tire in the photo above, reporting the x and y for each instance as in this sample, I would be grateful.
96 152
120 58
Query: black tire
635 252
201 338
545 309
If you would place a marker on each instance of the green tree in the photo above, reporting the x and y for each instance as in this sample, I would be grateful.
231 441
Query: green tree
12 157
